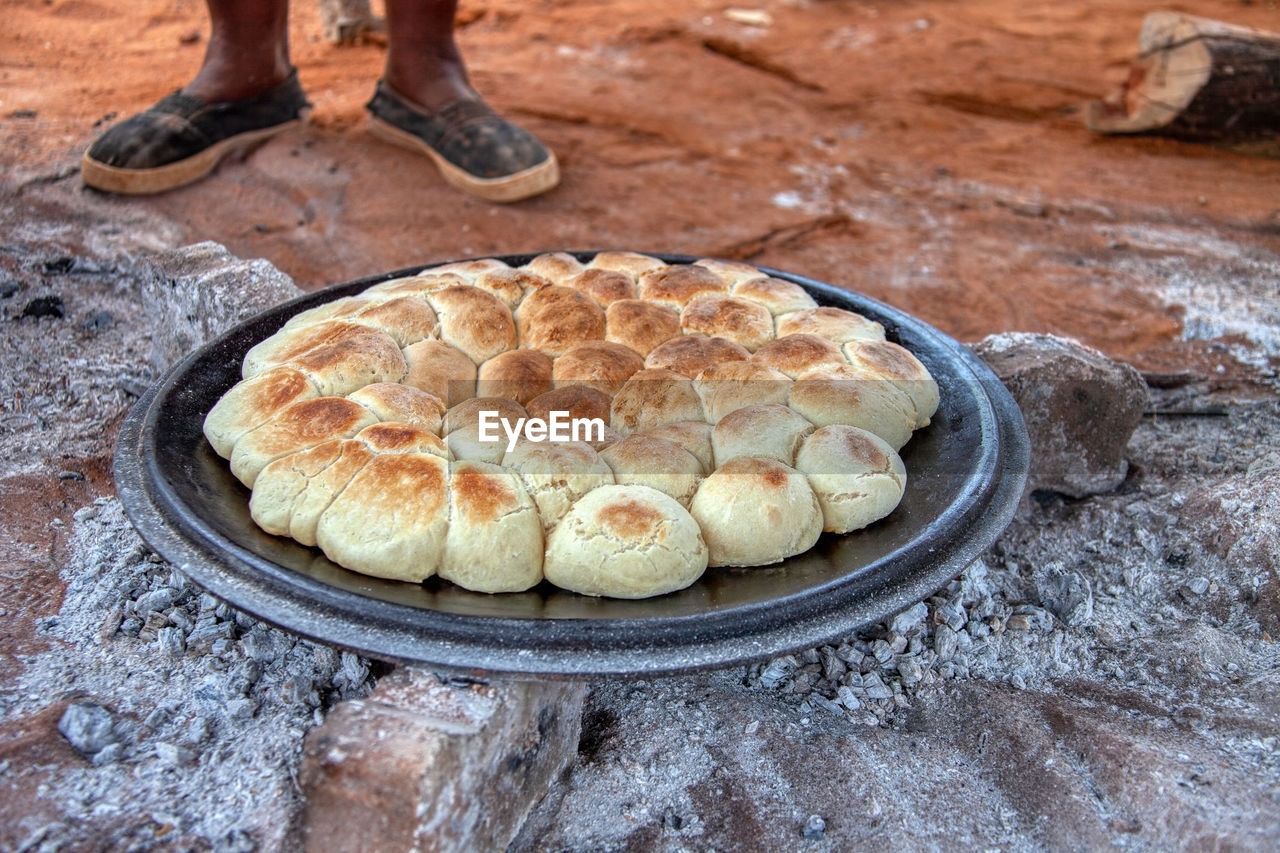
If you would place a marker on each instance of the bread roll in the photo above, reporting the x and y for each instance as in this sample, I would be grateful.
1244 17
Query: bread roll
554 319
556 475
674 286
731 273
900 367
626 542
604 286
462 428
473 321
640 325
391 401
470 270
834 324
511 286
291 493
754 512
252 402
391 519
582 403
798 354
739 320
769 432
730 385
337 356
406 318
556 267
842 395
297 427
778 296
440 370
518 375
643 460
857 477
395 437
692 354
631 263
420 284
597 364
693 436
651 398
494 542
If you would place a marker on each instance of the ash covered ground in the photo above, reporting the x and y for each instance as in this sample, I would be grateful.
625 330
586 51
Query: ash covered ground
1105 676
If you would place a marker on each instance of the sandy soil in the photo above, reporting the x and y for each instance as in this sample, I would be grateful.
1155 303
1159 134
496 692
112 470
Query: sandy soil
928 153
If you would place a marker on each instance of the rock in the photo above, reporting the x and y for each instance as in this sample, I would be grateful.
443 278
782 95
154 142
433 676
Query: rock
945 642
195 293
174 755
1080 408
422 764
89 727
45 306
814 827
1066 595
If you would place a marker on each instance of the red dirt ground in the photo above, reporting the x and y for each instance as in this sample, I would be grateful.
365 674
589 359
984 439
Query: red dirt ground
930 154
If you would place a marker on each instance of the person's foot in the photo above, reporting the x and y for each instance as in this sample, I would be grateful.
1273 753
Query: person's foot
475 149
184 136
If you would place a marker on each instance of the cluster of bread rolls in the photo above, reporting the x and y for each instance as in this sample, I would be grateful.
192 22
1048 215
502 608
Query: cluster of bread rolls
739 421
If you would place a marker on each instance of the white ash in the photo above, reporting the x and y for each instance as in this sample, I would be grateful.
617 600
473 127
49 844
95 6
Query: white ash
190 713
1136 567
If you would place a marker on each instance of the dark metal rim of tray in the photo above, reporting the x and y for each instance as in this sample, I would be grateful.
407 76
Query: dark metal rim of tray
966 473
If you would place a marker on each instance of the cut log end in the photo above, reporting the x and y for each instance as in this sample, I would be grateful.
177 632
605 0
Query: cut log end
1199 81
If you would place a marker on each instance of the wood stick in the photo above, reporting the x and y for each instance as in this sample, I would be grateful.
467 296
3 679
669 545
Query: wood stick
1199 80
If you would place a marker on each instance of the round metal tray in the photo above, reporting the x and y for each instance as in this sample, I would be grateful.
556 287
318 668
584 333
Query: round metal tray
965 474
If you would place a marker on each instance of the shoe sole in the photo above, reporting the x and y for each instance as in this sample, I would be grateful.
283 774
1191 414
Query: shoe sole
173 175
525 184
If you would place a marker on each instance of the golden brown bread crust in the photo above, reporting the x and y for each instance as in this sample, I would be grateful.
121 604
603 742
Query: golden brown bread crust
769 431
510 286
419 284
554 319
556 267
676 285
297 427
693 436
844 395
731 385
604 286
518 375
691 354
899 366
633 264
742 321
580 401
398 437
731 273
857 477
640 325
251 403
494 543
778 296
652 397
598 364
644 460
440 370
474 321
470 270
834 324
392 401
795 355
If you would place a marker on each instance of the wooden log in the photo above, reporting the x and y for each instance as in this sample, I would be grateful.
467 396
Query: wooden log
1199 80
349 21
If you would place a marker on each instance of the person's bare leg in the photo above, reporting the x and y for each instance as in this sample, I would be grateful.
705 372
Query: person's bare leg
248 50
423 60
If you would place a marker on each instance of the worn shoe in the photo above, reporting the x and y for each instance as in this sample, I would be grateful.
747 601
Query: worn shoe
182 138
475 149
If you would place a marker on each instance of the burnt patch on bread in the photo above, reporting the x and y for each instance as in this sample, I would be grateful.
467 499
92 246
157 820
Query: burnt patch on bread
319 418
863 449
